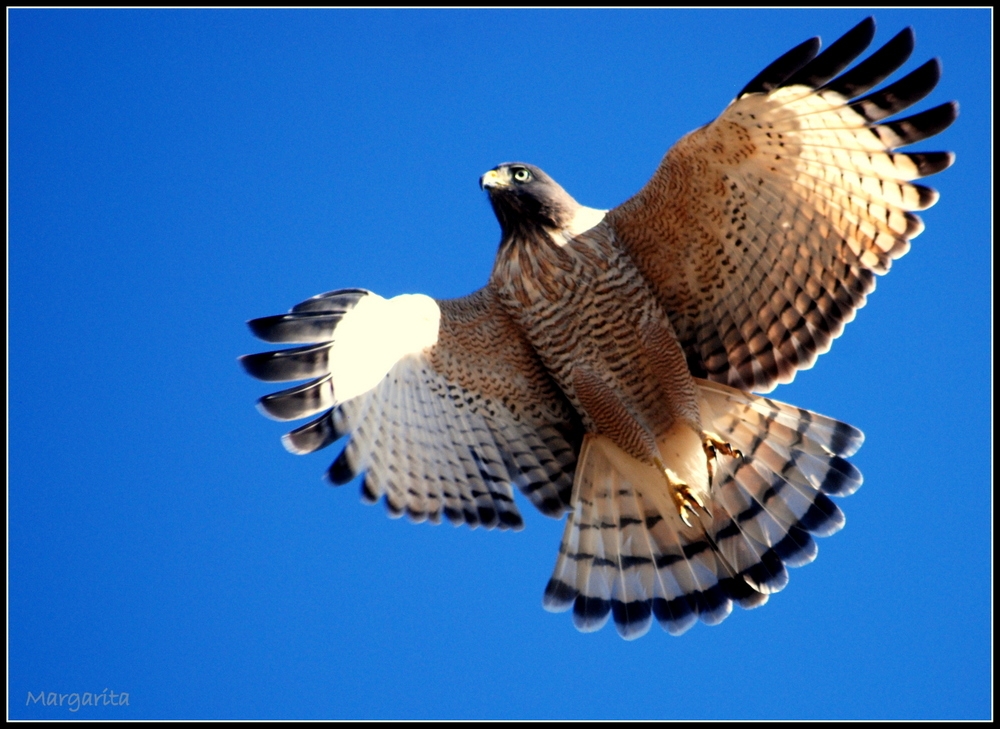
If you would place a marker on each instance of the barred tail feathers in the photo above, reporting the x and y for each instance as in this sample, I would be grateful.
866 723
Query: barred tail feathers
627 555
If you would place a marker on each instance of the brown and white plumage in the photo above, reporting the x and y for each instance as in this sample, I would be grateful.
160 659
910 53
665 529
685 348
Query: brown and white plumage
605 368
625 551
442 429
760 232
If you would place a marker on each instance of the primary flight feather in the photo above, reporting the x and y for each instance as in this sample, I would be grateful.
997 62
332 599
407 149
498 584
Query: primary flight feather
605 368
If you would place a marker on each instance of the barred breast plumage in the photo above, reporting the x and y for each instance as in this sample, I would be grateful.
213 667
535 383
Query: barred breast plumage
585 308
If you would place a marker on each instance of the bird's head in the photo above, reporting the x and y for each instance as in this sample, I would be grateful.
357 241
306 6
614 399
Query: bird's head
524 196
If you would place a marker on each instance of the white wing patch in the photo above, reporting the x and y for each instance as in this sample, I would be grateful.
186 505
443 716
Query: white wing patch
375 335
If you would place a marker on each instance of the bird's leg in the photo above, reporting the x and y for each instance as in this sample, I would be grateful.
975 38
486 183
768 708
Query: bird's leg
615 422
685 499
714 445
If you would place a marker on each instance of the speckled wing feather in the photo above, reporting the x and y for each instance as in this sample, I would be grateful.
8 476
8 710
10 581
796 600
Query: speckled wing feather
627 554
761 233
448 429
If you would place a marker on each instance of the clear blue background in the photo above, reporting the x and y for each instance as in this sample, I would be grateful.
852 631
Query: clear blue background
174 173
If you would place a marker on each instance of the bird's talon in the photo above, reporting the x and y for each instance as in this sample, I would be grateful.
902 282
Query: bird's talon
714 445
686 501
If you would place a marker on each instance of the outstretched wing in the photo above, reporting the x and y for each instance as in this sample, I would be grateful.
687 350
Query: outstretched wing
761 232
446 403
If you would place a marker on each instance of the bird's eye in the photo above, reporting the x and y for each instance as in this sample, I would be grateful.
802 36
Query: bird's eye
521 175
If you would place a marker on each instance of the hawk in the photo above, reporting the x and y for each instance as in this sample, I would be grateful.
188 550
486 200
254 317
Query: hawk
606 367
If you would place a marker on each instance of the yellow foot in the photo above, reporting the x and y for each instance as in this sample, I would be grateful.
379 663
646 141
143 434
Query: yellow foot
714 445
686 501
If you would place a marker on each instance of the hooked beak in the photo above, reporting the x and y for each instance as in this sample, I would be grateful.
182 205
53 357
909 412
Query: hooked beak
493 179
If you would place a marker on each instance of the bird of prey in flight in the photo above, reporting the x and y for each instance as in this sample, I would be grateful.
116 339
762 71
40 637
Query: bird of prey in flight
606 367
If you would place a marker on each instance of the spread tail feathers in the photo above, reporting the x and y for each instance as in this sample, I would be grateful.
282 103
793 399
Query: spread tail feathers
626 552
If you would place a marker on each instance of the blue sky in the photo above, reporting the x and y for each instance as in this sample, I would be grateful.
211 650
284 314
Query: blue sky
174 173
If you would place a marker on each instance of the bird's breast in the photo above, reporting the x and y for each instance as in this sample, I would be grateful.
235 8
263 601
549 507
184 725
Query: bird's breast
584 306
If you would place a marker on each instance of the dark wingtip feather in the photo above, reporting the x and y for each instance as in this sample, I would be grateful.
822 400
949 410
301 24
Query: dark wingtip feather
313 436
784 67
252 367
298 402
551 506
877 67
341 300
835 58
930 163
900 95
296 327
298 363
369 494
928 196
341 472
923 125
511 520
262 327
419 516
394 511
487 516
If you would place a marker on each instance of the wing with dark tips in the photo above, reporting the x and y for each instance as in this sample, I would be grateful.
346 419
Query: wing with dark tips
453 424
762 232
782 69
